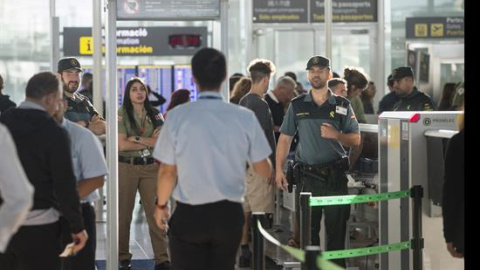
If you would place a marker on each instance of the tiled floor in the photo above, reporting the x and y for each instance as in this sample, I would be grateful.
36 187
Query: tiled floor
435 257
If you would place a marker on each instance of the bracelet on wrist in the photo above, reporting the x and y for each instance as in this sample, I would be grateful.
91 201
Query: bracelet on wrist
160 206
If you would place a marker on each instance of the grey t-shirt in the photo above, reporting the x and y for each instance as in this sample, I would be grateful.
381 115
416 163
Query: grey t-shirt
262 111
312 148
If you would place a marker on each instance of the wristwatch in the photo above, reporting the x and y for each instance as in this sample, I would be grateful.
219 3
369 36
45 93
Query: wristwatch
137 139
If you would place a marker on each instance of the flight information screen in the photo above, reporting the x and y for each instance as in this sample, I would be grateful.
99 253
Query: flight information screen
183 79
125 73
162 79
159 78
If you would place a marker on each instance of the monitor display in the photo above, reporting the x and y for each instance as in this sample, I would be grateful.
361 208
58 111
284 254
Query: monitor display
183 79
159 78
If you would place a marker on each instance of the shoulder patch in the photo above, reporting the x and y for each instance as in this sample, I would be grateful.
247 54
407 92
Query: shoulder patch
300 97
342 101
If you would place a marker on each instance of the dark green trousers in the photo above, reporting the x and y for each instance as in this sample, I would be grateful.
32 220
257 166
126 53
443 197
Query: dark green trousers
336 216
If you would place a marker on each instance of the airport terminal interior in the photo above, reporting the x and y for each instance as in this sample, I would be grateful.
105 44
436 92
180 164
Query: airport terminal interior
155 41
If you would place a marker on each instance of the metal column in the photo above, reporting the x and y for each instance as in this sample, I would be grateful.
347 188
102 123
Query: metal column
112 131
328 29
224 42
97 85
54 37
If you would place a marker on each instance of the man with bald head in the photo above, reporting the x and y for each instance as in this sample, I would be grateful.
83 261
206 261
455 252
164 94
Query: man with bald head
44 151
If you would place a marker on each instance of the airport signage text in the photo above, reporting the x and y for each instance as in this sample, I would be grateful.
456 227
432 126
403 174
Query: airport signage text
168 10
138 41
435 27
312 11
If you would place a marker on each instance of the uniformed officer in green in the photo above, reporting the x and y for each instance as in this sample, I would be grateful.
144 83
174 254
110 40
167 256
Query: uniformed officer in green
410 98
325 123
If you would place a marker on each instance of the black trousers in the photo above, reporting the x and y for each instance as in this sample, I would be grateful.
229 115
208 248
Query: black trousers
33 248
205 237
336 216
85 258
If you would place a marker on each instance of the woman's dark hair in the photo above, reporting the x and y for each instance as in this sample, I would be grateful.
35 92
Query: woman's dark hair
354 77
209 68
180 96
127 104
447 96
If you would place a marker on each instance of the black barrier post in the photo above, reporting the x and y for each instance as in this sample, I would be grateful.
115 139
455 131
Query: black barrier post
416 192
258 257
305 220
311 254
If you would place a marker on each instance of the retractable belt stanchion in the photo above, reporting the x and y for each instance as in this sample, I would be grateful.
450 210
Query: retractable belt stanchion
310 255
305 220
416 192
258 257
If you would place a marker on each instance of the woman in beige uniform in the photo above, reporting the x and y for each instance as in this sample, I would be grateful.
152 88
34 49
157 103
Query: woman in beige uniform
138 129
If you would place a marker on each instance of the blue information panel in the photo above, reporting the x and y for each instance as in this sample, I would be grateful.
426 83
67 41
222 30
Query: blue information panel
183 79
159 78
124 74
104 80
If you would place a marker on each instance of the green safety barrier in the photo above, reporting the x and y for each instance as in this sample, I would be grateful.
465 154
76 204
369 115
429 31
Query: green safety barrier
298 253
330 255
322 261
350 199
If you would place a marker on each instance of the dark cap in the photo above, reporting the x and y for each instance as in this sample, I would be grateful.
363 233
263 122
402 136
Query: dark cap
318 61
402 72
69 63
390 78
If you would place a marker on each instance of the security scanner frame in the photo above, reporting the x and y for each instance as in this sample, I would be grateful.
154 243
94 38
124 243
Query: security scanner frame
403 163
110 9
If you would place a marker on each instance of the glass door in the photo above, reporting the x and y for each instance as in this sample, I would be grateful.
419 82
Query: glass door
290 48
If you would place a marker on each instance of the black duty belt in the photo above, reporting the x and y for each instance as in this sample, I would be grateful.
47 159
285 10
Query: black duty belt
136 160
318 169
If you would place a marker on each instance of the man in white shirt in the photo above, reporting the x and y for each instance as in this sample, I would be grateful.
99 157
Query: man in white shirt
90 169
207 144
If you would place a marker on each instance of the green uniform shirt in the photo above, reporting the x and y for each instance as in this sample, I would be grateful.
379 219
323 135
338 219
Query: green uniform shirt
416 101
124 127
307 118
357 106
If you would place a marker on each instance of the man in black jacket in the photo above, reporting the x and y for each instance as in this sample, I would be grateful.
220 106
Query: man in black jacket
410 98
44 151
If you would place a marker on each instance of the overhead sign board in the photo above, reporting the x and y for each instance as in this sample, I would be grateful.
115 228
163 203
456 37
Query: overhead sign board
280 11
312 11
172 10
345 11
435 27
139 41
